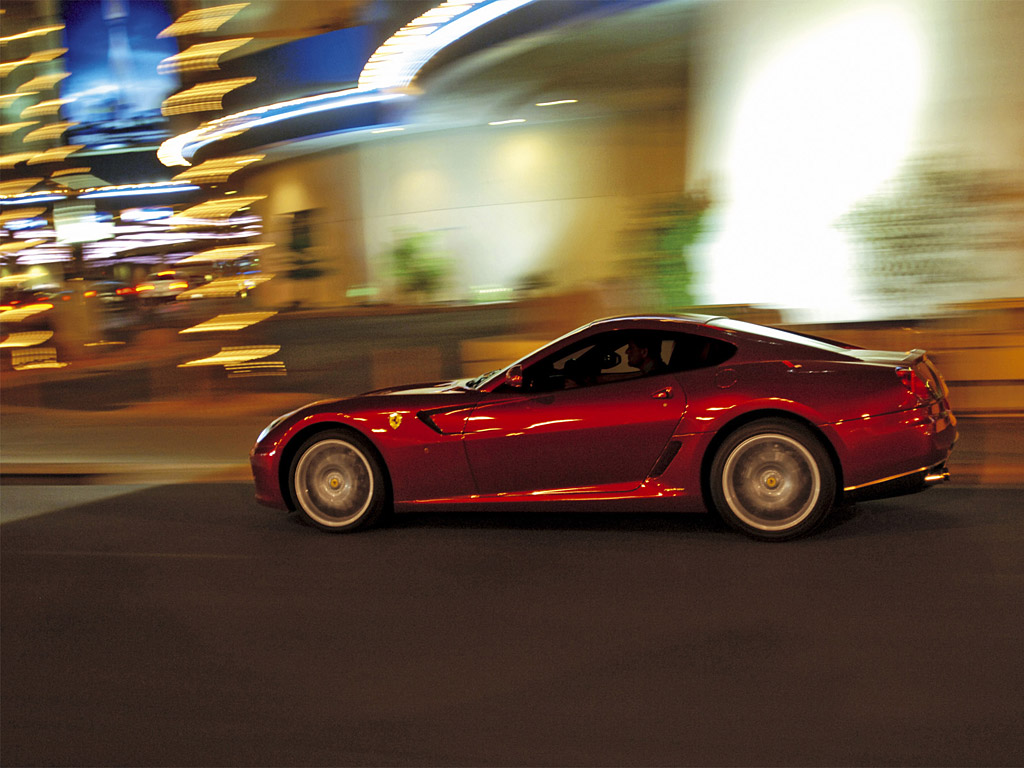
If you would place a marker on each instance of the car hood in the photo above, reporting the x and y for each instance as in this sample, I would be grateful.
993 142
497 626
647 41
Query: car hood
456 386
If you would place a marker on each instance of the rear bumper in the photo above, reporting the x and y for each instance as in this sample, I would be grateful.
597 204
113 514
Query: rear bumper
911 482
880 449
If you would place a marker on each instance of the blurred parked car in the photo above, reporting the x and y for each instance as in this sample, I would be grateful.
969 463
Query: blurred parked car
111 294
166 285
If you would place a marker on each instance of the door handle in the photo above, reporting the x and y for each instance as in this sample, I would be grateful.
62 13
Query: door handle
663 394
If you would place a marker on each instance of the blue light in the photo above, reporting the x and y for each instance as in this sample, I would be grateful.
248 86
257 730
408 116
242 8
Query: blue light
134 192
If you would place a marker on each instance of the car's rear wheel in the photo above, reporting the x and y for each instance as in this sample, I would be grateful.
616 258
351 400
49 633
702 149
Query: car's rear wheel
773 479
337 482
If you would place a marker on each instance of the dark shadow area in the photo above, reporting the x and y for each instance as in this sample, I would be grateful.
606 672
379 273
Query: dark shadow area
185 625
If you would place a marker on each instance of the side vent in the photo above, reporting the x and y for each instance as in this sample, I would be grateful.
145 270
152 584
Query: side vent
425 417
666 458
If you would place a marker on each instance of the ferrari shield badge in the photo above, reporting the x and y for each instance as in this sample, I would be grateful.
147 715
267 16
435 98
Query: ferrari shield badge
395 420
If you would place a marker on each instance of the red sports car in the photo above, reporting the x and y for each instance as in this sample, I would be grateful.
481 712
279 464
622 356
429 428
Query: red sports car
664 413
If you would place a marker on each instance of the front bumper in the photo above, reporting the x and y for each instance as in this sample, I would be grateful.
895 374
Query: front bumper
264 475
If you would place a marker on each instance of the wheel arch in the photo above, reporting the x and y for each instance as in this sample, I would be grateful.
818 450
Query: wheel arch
746 418
300 437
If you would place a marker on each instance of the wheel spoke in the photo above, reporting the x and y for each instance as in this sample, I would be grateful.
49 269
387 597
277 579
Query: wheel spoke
334 482
771 482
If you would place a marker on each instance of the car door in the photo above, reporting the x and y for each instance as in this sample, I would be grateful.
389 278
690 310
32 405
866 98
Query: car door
607 434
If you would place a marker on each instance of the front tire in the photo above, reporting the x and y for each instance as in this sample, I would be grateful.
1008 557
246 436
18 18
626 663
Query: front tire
337 482
773 479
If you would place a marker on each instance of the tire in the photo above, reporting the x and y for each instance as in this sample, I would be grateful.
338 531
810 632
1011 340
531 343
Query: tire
773 479
337 482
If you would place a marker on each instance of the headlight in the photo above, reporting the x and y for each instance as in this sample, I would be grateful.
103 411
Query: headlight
274 424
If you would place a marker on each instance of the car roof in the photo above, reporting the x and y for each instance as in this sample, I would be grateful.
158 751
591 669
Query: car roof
652 320
720 323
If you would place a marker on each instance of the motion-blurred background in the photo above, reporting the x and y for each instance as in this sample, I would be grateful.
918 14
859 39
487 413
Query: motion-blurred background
208 203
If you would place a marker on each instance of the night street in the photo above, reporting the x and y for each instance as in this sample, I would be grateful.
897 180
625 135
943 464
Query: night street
185 625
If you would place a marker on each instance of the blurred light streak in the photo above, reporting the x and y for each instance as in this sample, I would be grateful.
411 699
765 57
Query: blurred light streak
31 197
225 287
48 132
47 108
397 62
21 339
38 32
19 245
215 209
201 57
54 154
202 20
127 190
20 215
508 122
821 124
203 97
218 170
15 127
258 368
234 356
42 82
557 103
17 187
20 314
30 359
229 322
6 99
35 58
226 253
11 160
396 65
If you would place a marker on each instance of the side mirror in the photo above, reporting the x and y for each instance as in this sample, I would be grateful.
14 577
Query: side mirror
514 377
610 360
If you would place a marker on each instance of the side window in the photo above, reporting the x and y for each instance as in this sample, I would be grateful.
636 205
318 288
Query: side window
690 352
603 359
608 358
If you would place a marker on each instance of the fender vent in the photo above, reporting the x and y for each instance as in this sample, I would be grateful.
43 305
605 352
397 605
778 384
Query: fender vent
666 458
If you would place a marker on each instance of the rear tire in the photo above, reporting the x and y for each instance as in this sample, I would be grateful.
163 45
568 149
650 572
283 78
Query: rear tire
773 479
337 482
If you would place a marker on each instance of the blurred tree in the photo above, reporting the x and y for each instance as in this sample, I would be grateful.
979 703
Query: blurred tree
304 264
660 244
419 267
931 230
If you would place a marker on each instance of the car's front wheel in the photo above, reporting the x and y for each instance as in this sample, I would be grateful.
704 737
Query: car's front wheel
337 482
773 479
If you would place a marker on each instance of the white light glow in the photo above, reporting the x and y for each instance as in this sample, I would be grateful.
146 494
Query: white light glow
822 124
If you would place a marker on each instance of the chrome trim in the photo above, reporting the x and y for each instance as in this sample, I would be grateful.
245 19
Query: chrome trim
885 479
936 476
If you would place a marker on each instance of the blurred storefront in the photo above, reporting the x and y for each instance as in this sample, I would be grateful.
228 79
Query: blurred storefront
835 161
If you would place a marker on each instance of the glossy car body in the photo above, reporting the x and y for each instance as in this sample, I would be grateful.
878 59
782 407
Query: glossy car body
736 411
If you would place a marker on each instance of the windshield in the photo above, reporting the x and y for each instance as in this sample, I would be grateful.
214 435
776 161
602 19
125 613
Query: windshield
479 381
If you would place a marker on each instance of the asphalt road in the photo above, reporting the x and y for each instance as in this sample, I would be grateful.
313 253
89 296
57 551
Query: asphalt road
184 625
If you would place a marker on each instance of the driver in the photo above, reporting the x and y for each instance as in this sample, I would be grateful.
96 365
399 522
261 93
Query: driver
644 353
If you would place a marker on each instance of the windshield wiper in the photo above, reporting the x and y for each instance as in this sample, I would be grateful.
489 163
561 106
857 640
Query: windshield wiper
474 383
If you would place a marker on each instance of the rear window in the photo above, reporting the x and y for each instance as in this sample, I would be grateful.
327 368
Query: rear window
777 334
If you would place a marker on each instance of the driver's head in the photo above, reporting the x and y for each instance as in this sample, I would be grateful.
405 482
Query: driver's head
641 348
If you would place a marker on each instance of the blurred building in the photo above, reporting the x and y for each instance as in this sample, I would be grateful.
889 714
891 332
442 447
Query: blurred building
842 159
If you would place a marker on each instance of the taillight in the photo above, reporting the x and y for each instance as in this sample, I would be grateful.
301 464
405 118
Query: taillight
90 294
178 286
124 291
145 287
915 384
